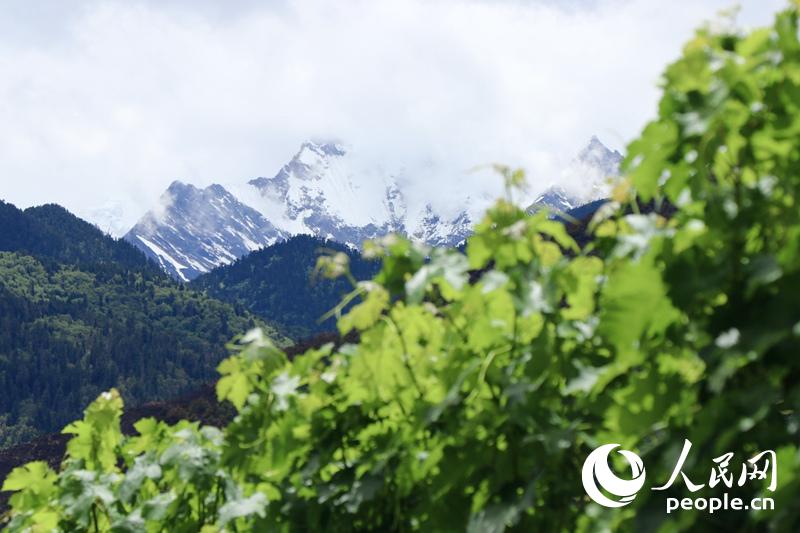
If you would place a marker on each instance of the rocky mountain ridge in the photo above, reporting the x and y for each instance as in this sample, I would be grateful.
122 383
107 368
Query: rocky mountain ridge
329 191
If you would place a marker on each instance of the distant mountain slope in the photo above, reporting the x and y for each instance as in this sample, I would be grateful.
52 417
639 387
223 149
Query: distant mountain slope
333 192
555 198
51 233
81 312
278 284
195 230
585 180
325 190
597 157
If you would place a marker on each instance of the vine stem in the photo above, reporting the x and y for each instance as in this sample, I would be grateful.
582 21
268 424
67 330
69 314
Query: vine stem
94 518
404 358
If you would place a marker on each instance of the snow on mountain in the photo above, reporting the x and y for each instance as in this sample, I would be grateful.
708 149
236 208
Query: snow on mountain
555 198
331 191
591 174
434 230
194 230
325 192
587 178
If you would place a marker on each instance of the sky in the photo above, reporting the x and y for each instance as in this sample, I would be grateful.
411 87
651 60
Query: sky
104 103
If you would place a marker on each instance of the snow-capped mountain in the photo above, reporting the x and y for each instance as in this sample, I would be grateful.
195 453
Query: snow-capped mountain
599 159
327 191
587 178
322 192
555 198
194 230
330 191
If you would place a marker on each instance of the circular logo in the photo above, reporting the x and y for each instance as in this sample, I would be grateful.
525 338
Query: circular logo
597 472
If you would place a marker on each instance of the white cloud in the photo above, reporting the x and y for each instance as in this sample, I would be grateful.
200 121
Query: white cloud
111 101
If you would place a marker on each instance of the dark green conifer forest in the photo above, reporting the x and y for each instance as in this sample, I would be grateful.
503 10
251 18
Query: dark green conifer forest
282 285
81 312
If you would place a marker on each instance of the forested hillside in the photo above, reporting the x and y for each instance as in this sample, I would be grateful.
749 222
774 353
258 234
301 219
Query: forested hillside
281 285
81 312
54 235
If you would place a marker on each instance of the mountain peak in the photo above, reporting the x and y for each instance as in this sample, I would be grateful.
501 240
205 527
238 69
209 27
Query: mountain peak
585 180
218 189
597 155
179 187
555 198
329 148
195 230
